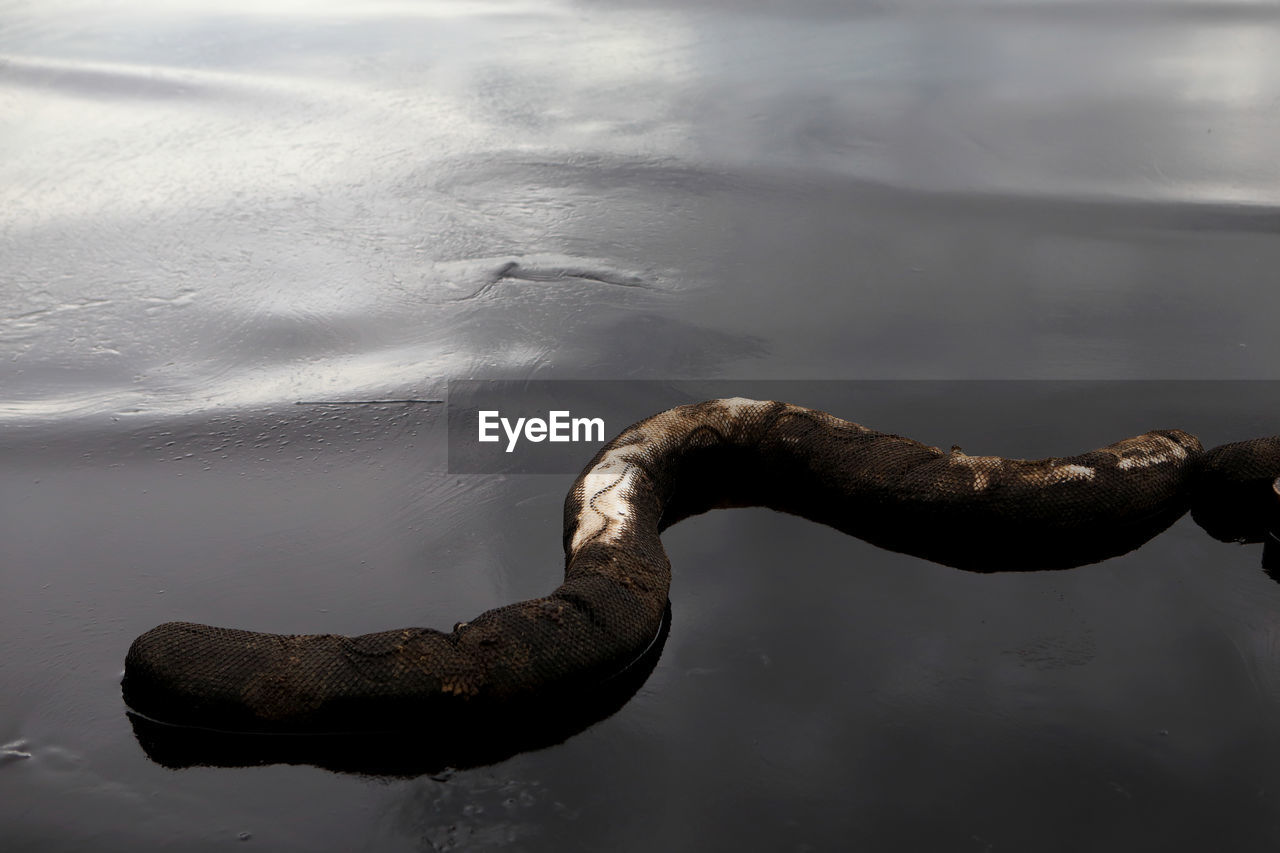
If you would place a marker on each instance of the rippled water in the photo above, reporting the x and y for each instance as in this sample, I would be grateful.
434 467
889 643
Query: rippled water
222 223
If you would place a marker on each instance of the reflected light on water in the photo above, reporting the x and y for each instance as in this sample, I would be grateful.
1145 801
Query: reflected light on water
253 200
1229 64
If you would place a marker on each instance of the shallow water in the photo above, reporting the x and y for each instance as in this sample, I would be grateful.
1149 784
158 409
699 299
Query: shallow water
223 224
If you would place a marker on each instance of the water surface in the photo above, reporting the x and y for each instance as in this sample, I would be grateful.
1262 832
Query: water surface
212 214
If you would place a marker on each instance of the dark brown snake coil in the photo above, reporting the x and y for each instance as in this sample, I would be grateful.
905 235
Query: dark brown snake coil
980 513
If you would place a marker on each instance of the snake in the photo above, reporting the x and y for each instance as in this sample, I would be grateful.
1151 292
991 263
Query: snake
975 513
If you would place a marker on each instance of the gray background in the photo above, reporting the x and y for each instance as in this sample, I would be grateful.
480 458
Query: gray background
212 212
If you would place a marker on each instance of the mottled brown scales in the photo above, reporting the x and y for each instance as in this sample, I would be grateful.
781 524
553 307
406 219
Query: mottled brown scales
458 688
980 513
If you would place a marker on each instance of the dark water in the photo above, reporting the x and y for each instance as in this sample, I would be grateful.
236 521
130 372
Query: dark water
213 213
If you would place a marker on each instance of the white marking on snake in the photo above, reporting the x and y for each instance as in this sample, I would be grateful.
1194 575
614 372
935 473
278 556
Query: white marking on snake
737 406
606 503
982 468
1174 451
1060 473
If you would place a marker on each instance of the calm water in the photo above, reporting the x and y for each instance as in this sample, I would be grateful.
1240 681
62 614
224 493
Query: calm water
210 214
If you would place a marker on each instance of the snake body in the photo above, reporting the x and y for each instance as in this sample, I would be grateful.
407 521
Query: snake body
979 513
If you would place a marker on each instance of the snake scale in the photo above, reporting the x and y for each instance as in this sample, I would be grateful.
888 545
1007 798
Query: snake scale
979 513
